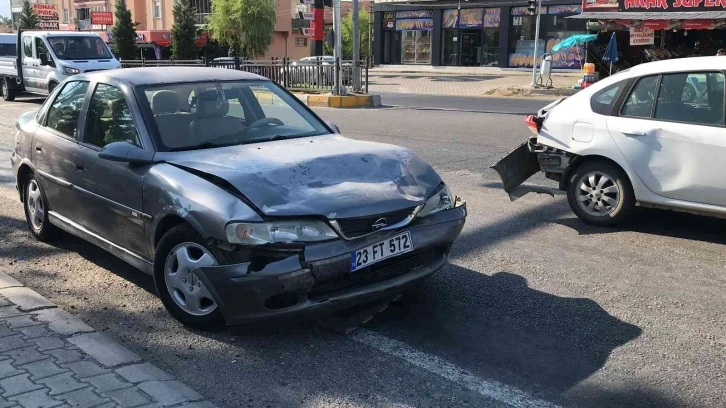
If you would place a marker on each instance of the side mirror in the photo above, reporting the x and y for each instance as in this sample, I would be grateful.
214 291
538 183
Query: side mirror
43 58
333 126
127 153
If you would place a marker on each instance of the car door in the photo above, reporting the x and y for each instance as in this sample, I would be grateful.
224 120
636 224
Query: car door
42 72
110 192
674 144
55 149
30 65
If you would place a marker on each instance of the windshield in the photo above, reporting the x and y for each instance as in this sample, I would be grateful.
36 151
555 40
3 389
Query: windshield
212 114
79 48
7 50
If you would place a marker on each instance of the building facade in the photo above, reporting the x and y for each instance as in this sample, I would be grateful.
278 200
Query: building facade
474 33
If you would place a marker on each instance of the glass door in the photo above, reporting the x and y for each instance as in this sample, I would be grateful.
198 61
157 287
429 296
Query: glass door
490 48
470 47
450 53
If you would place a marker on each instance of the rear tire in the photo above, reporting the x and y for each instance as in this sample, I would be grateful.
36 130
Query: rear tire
180 251
36 211
600 194
7 92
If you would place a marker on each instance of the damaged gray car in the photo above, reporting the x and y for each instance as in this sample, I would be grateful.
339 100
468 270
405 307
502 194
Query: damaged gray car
239 200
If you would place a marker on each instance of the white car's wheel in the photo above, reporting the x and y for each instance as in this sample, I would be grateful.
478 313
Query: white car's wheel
600 193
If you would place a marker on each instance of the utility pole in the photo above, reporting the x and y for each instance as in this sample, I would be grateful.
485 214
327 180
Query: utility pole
356 48
339 90
536 38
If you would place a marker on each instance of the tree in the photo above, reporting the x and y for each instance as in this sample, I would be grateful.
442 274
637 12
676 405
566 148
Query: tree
246 26
4 21
347 34
124 32
28 20
184 31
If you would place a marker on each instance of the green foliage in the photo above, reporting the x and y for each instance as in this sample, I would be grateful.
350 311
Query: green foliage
246 26
28 20
347 36
124 32
5 21
184 31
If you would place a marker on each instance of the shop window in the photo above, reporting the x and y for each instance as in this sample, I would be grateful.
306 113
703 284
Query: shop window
521 44
559 28
696 98
604 100
416 47
640 102
301 42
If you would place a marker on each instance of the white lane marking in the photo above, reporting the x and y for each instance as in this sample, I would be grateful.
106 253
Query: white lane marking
433 364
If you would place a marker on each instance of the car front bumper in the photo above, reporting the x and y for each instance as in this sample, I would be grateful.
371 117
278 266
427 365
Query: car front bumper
319 281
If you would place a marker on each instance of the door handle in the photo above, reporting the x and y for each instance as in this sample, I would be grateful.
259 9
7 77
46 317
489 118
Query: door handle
633 132
39 148
80 166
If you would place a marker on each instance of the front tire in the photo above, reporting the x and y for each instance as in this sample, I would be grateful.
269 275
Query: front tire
600 194
179 253
36 211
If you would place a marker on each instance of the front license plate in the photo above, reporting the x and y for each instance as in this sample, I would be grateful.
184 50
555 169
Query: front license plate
396 245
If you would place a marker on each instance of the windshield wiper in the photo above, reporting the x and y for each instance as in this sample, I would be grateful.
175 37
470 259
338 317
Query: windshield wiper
205 145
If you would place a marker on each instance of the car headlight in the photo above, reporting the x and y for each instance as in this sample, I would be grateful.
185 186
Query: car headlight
71 71
260 233
441 200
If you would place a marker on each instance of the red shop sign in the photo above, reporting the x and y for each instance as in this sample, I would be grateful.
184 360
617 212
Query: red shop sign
101 18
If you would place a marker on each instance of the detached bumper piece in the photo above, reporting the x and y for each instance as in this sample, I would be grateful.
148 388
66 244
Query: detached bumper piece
293 287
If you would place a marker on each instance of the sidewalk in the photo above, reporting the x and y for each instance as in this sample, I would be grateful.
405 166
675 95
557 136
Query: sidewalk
459 81
48 358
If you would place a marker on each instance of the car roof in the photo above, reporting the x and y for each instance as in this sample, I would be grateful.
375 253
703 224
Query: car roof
681 65
168 75
51 34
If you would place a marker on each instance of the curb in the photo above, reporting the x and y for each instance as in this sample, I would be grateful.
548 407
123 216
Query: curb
553 91
30 308
336 101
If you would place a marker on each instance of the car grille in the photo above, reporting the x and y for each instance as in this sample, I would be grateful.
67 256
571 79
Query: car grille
384 270
356 227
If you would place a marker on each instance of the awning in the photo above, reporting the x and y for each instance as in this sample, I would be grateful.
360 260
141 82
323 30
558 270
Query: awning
614 15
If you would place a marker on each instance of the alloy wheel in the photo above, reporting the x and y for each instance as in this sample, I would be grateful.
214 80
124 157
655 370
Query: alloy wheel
597 194
36 209
182 282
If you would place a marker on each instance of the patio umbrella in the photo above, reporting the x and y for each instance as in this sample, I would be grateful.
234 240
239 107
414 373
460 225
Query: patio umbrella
573 41
611 52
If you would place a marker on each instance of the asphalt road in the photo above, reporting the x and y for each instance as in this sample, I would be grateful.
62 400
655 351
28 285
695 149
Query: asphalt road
517 106
535 310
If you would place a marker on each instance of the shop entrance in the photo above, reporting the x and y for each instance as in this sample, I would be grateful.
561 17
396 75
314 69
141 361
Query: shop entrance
470 47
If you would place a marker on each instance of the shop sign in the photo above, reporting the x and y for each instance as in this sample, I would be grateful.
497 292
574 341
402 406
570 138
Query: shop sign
139 37
450 18
415 14
524 11
471 18
389 19
420 24
102 17
48 16
564 9
599 5
492 17
671 5
642 36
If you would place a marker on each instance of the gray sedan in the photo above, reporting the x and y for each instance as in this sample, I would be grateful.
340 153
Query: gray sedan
240 201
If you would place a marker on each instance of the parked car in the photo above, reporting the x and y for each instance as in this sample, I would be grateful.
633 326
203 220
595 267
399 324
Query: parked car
239 200
635 138
319 71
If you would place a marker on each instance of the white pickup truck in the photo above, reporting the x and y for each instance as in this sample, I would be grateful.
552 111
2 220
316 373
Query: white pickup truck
43 59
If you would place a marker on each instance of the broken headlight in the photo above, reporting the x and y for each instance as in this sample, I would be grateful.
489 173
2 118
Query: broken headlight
441 200
279 232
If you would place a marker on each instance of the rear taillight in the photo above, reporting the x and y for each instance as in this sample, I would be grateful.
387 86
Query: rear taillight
532 123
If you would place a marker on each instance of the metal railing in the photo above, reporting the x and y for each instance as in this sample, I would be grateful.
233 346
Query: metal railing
316 75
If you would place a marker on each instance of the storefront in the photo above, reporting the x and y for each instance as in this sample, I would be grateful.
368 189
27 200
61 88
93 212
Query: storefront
479 33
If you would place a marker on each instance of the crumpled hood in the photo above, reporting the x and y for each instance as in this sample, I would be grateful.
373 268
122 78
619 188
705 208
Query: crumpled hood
330 176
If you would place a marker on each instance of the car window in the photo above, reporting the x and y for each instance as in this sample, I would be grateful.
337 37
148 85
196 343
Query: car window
602 101
28 47
696 98
640 102
63 114
40 47
109 118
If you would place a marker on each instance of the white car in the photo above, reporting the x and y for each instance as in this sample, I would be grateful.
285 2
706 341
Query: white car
635 138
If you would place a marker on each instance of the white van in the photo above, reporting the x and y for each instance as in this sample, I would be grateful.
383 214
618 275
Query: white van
47 58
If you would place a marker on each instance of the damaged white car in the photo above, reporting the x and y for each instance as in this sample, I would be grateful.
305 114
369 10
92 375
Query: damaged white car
636 138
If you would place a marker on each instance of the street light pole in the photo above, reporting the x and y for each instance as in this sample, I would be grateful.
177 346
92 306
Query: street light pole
356 48
536 41
337 49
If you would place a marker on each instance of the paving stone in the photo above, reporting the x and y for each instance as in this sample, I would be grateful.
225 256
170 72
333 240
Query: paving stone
86 368
18 384
103 349
137 373
34 331
43 368
48 343
129 397
20 321
24 355
61 383
5 302
10 311
169 392
13 342
36 399
7 369
109 405
107 382
201 404
26 299
62 322
83 398
64 356
7 404
7 281
5 330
